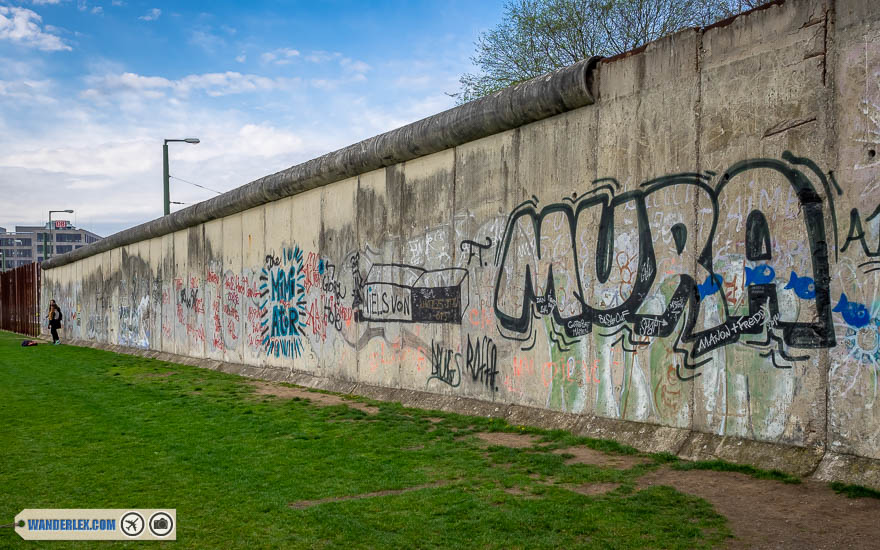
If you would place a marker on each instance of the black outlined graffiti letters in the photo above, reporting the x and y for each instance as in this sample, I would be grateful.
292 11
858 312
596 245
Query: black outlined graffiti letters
589 263
408 294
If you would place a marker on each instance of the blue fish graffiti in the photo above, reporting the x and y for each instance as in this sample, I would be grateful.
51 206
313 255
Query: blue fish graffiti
710 286
855 314
804 287
760 275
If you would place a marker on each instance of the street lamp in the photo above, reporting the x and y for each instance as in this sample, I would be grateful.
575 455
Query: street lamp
46 252
167 201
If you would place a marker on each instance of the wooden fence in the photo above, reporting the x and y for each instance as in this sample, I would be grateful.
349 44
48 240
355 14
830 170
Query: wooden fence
20 300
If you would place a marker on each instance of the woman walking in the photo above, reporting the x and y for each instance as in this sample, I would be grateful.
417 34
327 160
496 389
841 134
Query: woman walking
55 317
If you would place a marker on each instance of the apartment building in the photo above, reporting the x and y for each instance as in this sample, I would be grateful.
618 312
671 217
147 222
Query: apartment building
26 243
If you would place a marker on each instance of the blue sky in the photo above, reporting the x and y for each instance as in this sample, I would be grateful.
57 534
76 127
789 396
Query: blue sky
88 90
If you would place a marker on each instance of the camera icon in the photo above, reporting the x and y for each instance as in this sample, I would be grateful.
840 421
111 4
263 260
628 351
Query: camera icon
161 524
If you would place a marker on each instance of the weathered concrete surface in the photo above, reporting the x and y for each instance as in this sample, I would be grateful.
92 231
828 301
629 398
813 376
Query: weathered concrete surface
676 248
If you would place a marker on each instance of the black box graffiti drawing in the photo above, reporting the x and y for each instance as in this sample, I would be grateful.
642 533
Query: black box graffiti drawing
408 294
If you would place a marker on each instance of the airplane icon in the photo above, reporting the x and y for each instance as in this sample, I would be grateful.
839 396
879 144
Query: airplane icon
132 524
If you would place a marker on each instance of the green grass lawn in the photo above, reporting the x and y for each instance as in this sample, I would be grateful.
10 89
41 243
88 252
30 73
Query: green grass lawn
83 428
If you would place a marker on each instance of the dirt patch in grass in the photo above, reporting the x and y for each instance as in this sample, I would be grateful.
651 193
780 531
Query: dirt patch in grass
519 492
593 489
586 455
433 419
321 399
516 441
770 514
303 504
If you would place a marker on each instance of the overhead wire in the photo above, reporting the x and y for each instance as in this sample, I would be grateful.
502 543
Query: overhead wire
196 184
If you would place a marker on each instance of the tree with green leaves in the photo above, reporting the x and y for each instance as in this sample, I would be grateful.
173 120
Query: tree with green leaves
539 36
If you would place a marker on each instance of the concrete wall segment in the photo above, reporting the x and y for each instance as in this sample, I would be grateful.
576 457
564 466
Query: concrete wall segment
648 130
853 411
678 254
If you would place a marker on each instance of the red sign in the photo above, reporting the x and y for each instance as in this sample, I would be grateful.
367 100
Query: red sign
61 224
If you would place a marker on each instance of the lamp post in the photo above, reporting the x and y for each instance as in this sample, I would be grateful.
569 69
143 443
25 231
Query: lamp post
46 253
165 175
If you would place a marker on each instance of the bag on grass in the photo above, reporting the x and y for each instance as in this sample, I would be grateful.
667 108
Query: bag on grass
26 343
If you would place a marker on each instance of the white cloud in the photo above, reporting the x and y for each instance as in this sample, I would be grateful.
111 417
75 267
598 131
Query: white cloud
107 159
217 84
22 26
206 40
151 15
93 182
267 141
132 81
117 3
98 10
241 58
353 71
321 56
353 65
212 84
374 119
27 91
281 56
44 2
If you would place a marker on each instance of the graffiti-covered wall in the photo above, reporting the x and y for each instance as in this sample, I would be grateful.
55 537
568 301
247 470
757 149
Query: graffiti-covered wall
698 248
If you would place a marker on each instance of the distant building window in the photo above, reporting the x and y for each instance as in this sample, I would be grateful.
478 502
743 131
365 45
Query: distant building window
68 237
40 248
15 241
61 249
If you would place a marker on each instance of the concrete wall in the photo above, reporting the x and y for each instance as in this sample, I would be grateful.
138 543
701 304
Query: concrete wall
696 252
